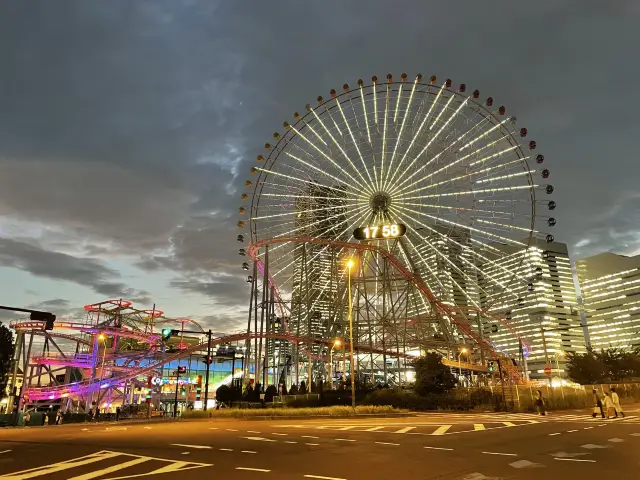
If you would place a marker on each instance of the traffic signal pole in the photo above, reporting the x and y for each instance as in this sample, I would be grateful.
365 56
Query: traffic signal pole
175 401
206 380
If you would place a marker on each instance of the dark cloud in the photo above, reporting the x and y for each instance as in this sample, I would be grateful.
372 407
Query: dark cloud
128 128
61 266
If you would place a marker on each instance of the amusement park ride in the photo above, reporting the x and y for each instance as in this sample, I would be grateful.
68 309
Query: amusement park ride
383 220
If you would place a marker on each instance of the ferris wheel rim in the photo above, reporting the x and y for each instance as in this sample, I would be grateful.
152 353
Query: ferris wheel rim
276 150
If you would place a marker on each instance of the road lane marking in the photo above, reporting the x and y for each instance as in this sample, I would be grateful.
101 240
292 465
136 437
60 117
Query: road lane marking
478 426
312 444
323 478
289 441
442 430
185 453
60 466
499 453
226 449
587 428
147 428
248 451
571 431
615 440
575 460
253 469
635 434
509 424
349 440
404 430
552 434
113 468
439 448
309 436
525 464
373 429
231 430
5 451
260 439
347 428
213 428
388 443
281 434
591 446
252 431
205 447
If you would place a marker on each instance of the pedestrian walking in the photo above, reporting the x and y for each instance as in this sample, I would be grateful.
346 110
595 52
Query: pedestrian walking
59 417
597 405
608 405
117 414
539 403
616 403
27 419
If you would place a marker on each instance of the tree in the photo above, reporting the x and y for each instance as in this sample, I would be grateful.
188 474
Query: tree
224 394
269 393
432 376
6 357
584 368
293 390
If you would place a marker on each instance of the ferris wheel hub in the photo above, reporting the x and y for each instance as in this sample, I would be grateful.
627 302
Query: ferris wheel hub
380 202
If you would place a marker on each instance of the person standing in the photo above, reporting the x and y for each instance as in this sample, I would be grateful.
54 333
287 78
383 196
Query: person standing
608 405
616 403
539 403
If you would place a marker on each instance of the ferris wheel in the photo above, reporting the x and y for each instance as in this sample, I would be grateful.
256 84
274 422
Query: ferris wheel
445 181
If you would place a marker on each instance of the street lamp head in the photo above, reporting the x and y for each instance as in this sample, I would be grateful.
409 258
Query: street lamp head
336 342
101 336
350 264
464 350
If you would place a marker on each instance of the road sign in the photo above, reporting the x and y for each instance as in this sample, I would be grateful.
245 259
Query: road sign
547 370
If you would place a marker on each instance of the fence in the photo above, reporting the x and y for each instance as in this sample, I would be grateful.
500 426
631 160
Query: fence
522 397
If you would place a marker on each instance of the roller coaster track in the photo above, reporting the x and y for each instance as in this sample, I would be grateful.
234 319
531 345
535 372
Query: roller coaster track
80 388
457 315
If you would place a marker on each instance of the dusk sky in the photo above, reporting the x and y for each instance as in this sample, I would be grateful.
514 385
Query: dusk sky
128 128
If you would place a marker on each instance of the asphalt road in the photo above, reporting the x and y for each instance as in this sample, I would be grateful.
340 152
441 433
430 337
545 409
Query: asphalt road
428 446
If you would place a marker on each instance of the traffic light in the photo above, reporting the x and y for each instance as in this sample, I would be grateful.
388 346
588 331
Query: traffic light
48 318
199 389
491 366
167 333
208 360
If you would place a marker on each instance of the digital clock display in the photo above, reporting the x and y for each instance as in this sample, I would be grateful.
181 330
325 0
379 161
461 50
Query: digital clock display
380 232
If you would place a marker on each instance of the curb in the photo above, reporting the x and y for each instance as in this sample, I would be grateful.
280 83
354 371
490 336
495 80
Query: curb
298 417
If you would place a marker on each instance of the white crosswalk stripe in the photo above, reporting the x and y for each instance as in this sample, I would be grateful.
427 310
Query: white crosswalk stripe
103 462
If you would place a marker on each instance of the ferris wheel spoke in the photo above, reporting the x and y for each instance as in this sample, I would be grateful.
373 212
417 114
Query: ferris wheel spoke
337 144
404 121
417 135
353 140
468 227
474 253
487 158
481 136
327 157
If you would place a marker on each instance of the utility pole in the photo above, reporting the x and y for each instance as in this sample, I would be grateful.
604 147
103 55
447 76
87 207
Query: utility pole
206 380
175 401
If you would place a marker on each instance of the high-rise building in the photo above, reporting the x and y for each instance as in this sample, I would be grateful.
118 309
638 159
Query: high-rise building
321 213
610 288
540 304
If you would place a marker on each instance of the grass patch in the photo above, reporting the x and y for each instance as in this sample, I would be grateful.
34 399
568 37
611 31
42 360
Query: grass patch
337 411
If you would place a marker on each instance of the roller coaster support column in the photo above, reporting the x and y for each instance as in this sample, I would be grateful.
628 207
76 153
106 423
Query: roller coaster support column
206 382
17 351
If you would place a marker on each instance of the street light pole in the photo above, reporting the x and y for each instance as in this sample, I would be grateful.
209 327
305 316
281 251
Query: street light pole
206 381
175 401
353 382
